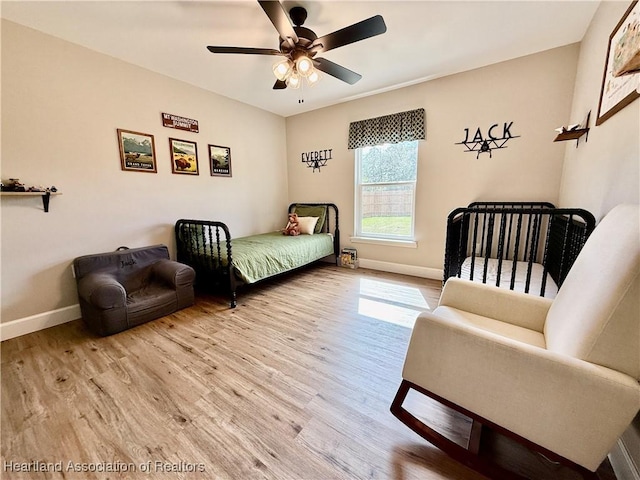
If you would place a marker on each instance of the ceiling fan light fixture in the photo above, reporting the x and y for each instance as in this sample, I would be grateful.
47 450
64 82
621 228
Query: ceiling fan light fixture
282 70
313 78
304 66
293 81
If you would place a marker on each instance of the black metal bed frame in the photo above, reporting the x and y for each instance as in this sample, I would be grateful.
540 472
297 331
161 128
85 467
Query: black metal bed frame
206 245
531 232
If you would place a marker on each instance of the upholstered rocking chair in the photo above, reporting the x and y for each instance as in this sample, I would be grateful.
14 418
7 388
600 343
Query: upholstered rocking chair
559 376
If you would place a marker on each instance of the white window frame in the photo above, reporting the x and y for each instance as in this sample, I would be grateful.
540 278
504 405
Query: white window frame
386 239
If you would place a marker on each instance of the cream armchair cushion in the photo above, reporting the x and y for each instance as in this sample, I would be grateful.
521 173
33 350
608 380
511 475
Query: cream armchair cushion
595 315
560 373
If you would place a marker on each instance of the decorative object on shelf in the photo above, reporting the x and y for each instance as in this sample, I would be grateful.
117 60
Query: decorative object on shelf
619 91
181 123
317 158
41 188
137 151
220 161
184 156
13 185
485 144
574 132
348 258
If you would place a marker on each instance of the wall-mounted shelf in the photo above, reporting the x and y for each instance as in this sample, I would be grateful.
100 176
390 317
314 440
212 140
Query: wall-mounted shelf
45 196
575 134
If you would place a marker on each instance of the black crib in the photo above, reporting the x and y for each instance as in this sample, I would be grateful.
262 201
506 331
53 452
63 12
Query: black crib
515 245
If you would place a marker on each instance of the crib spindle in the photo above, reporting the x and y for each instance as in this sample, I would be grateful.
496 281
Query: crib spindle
462 247
503 226
508 247
568 230
489 246
545 263
530 253
516 248
474 244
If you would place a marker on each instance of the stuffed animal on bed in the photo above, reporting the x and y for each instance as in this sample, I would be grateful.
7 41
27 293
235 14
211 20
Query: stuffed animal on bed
292 227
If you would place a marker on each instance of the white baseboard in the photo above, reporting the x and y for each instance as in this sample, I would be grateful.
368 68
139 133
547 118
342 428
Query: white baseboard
413 270
623 464
22 326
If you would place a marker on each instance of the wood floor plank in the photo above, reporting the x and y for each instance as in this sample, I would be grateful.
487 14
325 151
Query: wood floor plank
295 383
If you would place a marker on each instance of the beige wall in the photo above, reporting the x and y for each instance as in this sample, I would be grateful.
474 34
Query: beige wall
533 92
61 106
605 171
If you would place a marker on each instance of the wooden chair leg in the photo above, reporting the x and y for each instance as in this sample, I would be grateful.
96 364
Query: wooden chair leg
475 437
451 448
470 456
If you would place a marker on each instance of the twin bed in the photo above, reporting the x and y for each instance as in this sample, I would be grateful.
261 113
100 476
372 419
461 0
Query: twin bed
523 246
226 262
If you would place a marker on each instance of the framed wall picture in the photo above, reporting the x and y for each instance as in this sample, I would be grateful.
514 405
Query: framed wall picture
620 89
184 156
220 161
137 151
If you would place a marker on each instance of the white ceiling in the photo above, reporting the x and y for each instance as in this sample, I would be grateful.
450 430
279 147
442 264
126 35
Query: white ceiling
424 40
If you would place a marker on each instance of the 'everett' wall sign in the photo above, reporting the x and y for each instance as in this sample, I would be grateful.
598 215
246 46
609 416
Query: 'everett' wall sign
491 141
181 123
316 159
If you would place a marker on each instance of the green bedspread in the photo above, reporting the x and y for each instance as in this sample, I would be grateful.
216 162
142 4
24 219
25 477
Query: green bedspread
261 256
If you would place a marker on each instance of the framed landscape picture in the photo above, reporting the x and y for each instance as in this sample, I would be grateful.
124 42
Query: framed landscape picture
137 151
220 161
619 84
184 156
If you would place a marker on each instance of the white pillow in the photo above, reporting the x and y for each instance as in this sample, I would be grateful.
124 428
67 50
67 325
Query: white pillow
307 224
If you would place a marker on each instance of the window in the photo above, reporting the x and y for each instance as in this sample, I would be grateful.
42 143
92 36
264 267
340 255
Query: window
385 190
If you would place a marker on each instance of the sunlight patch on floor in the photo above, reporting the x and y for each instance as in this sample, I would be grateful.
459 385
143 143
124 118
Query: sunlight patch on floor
391 302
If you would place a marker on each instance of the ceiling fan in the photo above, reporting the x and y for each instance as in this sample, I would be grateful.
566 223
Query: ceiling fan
299 46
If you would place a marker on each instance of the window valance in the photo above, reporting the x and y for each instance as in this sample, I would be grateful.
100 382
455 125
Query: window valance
394 128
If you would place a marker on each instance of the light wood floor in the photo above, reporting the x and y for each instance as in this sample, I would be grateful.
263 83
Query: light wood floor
295 383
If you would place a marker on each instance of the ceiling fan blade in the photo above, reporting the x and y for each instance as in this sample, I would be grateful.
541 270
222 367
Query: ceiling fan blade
280 85
254 51
279 18
358 31
335 70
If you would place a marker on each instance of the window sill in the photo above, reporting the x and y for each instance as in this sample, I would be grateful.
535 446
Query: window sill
385 241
